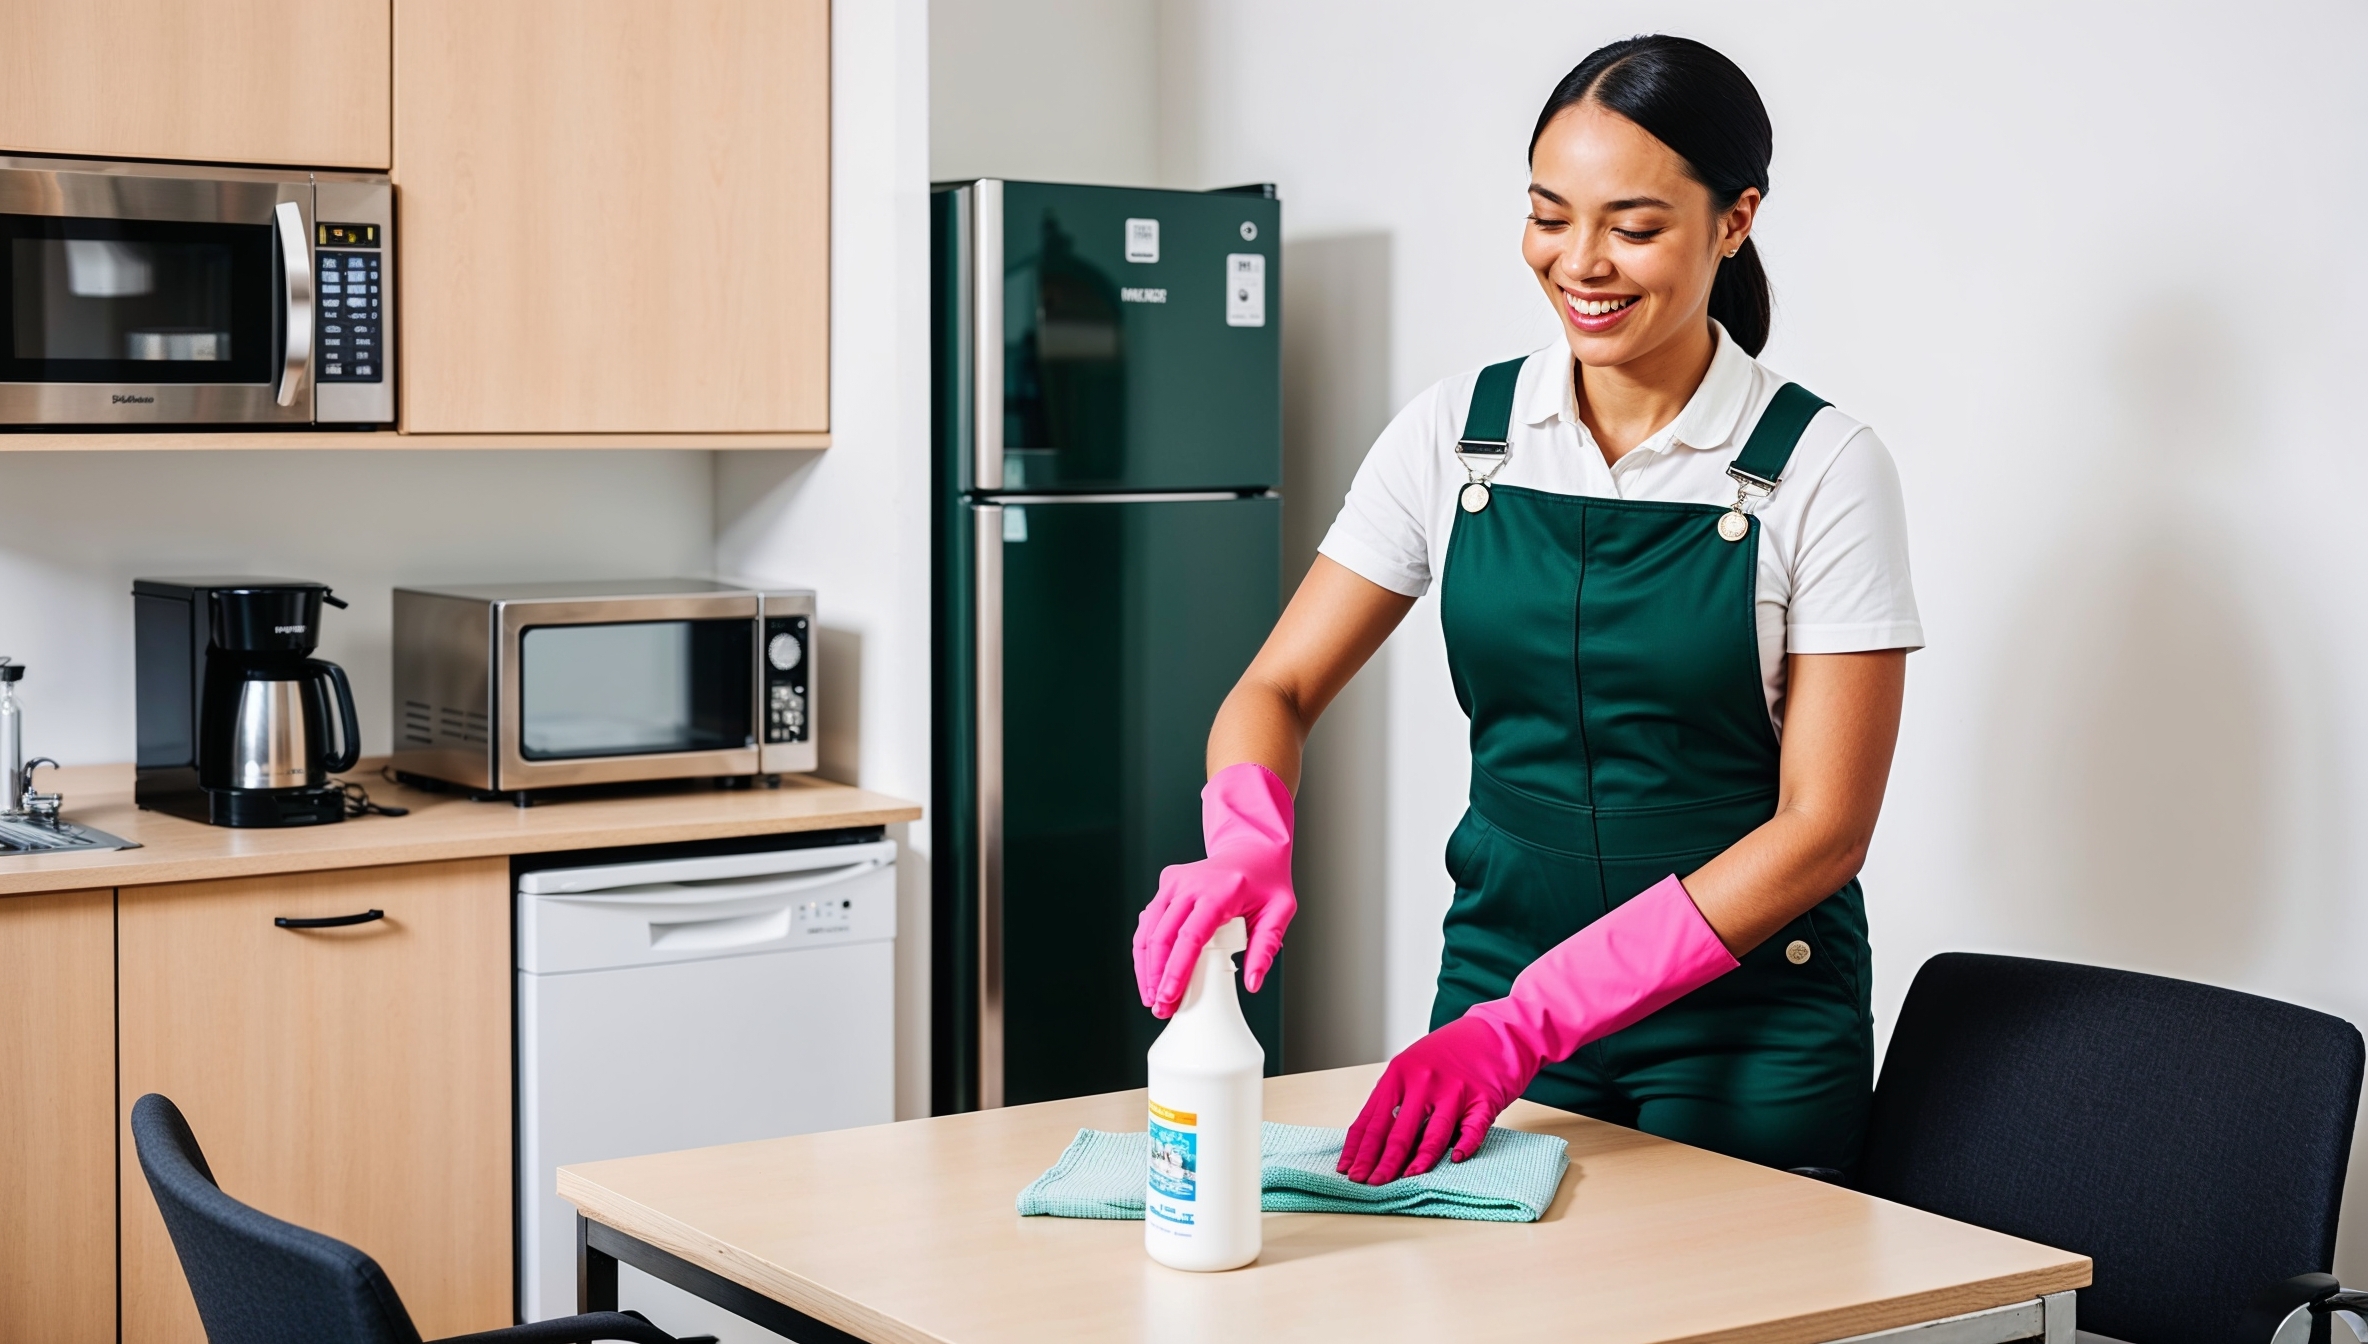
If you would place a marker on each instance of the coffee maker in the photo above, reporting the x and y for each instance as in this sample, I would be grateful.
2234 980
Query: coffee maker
235 714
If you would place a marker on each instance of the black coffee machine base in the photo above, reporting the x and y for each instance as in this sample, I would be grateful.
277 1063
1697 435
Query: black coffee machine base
253 807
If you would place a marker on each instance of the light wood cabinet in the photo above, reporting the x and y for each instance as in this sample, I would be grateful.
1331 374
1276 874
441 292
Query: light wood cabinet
614 215
57 1127
302 82
353 1080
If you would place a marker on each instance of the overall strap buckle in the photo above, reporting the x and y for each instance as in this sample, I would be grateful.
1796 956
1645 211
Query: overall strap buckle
1488 431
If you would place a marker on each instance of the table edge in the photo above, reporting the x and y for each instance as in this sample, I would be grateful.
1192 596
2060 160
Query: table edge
634 1219
602 1205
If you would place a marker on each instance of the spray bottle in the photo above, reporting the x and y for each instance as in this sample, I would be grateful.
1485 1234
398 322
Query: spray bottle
1200 1207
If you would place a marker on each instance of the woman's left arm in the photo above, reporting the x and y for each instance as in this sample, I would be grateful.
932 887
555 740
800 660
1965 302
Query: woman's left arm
1841 720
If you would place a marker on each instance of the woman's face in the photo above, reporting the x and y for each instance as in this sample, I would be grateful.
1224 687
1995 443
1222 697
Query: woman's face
1624 240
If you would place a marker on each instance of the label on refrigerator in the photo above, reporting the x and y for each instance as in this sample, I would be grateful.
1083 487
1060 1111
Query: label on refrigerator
1175 1139
1245 289
1142 240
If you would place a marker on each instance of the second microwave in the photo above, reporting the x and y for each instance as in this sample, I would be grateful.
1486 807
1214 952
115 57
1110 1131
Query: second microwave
515 688
143 295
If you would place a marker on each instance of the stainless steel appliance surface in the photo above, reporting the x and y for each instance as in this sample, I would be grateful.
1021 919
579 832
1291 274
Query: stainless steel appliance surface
157 294
515 688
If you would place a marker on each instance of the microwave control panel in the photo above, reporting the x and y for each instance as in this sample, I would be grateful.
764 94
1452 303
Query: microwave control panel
351 336
787 657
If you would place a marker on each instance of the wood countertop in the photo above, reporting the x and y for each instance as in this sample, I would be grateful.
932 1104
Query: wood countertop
907 1233
441 826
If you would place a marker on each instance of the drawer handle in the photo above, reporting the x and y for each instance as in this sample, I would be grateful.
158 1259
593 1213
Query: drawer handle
329 921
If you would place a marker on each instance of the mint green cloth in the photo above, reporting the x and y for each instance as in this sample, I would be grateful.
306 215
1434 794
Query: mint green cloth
1510 1180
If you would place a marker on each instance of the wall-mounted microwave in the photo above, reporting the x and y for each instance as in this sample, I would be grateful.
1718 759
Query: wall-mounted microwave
153 294
519 687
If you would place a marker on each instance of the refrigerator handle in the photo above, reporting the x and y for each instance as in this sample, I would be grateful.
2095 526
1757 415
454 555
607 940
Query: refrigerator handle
988 609
986 334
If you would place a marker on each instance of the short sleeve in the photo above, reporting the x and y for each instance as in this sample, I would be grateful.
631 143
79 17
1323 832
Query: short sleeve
1383 531
1851 591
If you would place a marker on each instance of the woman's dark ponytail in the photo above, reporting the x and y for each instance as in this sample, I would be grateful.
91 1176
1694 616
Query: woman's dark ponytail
1740 301
1704 107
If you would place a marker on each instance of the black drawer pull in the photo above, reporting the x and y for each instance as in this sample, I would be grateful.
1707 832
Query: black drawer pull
329 921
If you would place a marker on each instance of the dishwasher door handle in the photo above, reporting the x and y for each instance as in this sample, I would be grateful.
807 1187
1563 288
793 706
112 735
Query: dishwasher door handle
662 895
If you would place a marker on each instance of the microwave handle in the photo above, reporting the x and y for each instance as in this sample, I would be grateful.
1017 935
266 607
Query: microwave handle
296 296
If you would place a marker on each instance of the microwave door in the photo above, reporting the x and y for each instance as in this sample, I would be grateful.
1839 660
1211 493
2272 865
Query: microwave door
642 694
140 298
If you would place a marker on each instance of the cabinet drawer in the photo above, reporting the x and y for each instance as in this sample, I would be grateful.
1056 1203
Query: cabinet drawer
354 1080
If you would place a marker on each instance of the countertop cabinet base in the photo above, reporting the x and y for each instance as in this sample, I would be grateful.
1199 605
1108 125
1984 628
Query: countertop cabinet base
352 1080
57 1104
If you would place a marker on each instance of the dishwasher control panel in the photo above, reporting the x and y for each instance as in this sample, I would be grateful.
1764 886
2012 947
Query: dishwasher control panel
639 914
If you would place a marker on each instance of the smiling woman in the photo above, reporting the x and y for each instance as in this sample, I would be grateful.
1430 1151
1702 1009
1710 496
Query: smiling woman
1674 589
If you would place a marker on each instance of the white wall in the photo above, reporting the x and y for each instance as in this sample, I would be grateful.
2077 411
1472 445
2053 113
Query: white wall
852 522
76 528
1049 90
2091 272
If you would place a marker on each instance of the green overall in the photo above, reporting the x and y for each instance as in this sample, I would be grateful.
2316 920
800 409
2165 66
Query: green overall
1607 653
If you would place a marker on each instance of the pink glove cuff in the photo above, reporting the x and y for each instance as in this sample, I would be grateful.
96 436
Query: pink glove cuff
1651 951
1246 805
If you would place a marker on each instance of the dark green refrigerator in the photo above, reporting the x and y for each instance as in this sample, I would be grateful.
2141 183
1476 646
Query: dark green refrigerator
1108 552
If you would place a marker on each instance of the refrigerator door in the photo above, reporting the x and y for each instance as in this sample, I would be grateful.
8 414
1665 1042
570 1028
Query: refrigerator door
1107 338
1114 627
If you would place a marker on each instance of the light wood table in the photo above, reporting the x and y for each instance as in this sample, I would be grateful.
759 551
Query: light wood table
907 1233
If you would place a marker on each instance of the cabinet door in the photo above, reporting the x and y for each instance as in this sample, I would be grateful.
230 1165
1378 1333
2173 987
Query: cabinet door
615 215
57 1128
352 1080
299 82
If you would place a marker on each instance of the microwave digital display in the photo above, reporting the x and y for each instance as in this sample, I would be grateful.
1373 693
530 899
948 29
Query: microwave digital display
635 688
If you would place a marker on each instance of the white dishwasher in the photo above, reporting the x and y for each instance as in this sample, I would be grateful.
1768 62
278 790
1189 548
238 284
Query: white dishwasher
682 1002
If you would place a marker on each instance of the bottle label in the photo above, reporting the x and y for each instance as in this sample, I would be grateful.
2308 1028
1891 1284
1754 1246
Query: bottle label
1175 1144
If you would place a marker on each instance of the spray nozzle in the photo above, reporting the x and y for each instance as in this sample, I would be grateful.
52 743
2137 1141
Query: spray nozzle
1231 936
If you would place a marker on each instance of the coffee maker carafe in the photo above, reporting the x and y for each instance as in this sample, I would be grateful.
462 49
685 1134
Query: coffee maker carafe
236 717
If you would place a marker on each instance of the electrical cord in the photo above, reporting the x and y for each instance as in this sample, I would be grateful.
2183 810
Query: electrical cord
358 804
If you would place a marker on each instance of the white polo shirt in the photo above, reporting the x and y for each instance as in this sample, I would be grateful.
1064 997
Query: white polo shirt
1833 561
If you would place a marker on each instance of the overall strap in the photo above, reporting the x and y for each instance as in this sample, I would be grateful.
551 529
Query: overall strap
1491 416
1774 437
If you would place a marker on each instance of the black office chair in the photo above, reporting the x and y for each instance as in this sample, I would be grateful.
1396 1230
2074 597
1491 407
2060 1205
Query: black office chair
2190 1141
258 1280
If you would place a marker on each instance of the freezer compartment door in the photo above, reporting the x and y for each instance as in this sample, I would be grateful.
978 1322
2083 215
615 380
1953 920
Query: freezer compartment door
1123 626
1112 338
691 909
651 1059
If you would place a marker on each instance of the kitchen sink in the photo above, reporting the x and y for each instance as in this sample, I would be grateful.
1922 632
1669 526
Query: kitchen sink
34 835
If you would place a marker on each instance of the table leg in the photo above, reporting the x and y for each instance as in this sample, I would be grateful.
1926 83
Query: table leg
596 1272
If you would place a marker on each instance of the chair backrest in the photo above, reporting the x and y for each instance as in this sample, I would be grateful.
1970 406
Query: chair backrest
256 1279
2190 1141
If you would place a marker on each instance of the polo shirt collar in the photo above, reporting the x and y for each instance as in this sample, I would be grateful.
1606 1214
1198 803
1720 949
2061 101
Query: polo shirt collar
1709 419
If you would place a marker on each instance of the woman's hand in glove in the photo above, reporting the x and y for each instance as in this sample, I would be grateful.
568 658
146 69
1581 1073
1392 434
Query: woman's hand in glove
1246 824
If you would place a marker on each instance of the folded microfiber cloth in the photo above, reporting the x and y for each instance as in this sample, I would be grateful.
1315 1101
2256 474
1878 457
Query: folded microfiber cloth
1510 1180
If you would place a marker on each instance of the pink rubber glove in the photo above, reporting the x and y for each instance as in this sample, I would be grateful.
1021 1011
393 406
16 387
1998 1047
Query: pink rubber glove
1447 1087
1245 820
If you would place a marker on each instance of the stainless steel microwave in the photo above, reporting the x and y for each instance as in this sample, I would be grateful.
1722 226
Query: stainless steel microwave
519 687
153 294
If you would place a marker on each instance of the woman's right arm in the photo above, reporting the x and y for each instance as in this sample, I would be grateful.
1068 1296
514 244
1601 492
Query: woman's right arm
1334 623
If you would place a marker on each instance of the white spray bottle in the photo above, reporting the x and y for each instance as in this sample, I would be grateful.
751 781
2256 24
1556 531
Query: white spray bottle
1200 1207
